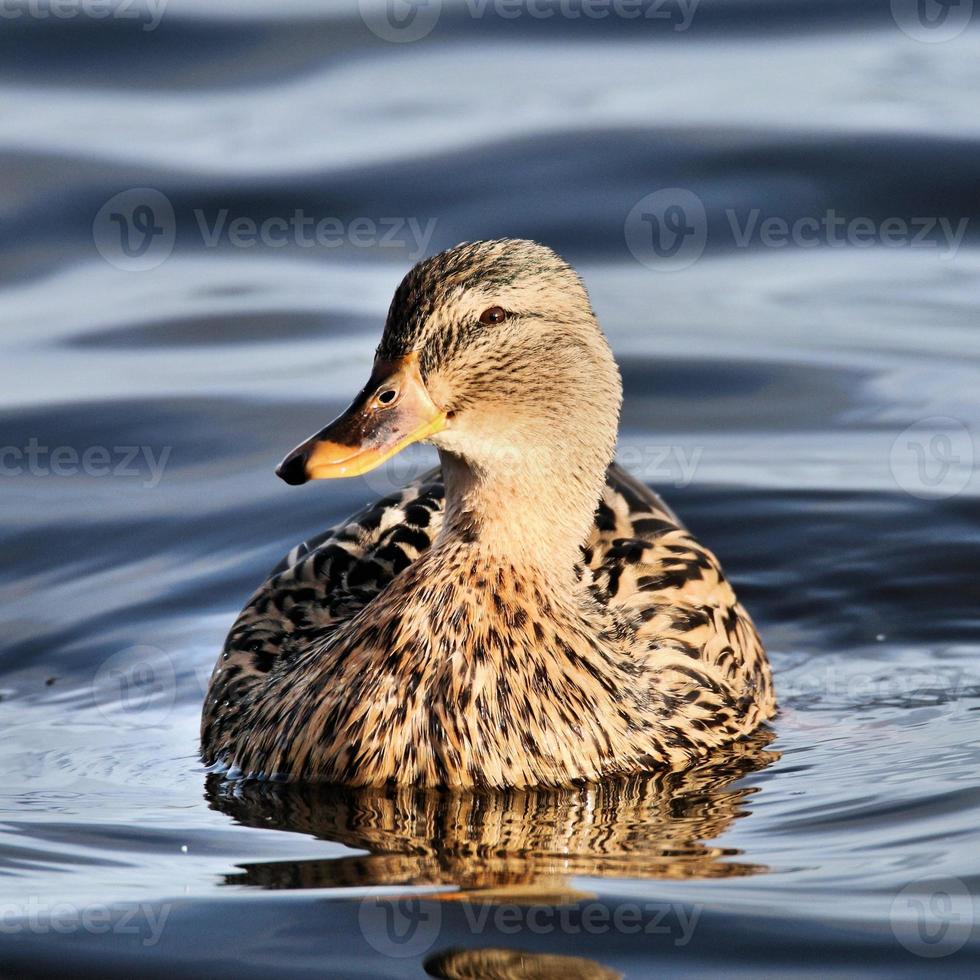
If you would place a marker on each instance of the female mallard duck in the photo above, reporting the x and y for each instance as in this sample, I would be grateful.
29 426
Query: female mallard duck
527 614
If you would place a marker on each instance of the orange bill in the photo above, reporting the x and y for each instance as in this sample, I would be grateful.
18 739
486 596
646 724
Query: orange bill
393 411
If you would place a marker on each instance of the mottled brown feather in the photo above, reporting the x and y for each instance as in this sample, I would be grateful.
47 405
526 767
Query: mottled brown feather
695 677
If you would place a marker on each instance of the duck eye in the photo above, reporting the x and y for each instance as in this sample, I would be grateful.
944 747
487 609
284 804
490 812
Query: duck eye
495 314
387 396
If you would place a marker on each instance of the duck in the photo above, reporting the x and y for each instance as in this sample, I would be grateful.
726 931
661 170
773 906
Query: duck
525 614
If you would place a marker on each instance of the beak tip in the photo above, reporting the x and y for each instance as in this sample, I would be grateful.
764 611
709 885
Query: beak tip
292 470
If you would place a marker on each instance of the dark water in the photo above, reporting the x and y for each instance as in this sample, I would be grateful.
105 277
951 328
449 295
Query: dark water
808 400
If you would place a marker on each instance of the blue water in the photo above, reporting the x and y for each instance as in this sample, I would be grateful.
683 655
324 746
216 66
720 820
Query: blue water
804 392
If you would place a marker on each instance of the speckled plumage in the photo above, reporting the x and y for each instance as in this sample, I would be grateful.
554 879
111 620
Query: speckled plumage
554 622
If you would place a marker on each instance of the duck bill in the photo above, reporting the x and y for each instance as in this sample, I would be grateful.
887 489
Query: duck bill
393 411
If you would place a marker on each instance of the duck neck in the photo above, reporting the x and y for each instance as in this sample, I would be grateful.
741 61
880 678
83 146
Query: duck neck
525 455
532 514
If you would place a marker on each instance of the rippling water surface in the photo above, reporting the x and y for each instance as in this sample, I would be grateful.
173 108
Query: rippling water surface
809 408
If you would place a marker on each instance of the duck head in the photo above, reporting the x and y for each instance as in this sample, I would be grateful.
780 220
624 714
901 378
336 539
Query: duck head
491 352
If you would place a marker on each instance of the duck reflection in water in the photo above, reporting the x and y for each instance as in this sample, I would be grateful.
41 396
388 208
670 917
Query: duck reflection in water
508 845
514 847
514 964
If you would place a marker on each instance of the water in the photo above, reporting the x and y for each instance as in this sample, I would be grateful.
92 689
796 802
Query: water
809 409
